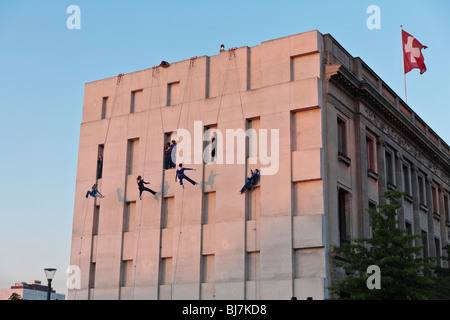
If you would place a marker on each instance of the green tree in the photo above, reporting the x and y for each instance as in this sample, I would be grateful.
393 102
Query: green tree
15 296
402 274
442 279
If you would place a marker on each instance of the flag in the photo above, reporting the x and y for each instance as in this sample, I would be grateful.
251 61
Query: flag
412 53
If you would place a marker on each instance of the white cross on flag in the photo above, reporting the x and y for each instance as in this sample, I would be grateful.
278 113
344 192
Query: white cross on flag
412 54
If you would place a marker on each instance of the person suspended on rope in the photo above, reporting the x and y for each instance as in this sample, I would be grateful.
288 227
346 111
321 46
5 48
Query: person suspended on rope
251 181
173 154
94 192
180 174
141 187
167 156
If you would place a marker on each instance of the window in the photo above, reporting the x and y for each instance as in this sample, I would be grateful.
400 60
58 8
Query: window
136 100
254 203
252 266
127 273
101 148
253 127
408 228
207 268
168 208
390 169
209 208
342 136
446 209
211 138
421 189
372 206
165 272
173 93
435 200
132 159
129 216
437 244
371 158
92 275
342 215
95 220
406 178
170 150
425 244
104 107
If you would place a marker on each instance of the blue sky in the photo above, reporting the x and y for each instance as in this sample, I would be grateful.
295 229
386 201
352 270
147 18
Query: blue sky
44 66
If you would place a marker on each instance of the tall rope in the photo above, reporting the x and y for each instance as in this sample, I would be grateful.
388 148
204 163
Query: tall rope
174 274
81 242
143 174
119 78
155 71
223 88
188 81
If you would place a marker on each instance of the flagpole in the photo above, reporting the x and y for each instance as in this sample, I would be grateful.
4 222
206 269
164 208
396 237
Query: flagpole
403 62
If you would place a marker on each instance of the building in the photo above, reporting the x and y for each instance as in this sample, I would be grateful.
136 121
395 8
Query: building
343 135
33 290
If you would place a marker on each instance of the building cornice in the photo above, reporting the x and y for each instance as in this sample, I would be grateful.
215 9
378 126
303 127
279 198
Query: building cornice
383 114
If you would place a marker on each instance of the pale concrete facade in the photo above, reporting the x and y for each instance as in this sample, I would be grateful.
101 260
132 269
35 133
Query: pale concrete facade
273 242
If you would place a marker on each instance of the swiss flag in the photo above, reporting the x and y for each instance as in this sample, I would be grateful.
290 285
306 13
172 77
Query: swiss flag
412 54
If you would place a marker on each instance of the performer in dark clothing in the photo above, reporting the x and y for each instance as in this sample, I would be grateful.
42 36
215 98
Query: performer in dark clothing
173 154
167 156
252 180
141 187
180 174
99 167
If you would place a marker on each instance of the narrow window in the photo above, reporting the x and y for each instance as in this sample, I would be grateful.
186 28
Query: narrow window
209 208
421 187
406 178
95 220
165 273
100 151
132 159
207 268
435 199
390 171
127 273
371 163
129 216
253 126
342 215
446 209
136 100
210 143
168 208
408 228
104 107
437 244
254 203
173 93
425 244
342 136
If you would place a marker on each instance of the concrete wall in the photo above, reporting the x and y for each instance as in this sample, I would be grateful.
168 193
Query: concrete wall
264 244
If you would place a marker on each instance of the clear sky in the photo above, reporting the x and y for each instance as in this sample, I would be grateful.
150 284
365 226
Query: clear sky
44 66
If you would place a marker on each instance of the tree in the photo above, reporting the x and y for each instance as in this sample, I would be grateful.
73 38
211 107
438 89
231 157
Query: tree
403 275
15 296
442 279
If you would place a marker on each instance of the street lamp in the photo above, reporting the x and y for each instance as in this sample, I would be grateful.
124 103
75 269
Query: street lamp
49 273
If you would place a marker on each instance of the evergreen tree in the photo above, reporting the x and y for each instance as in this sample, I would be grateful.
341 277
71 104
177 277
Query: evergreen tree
403 275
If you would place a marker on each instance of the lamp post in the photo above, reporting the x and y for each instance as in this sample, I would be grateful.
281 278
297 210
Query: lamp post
49 273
